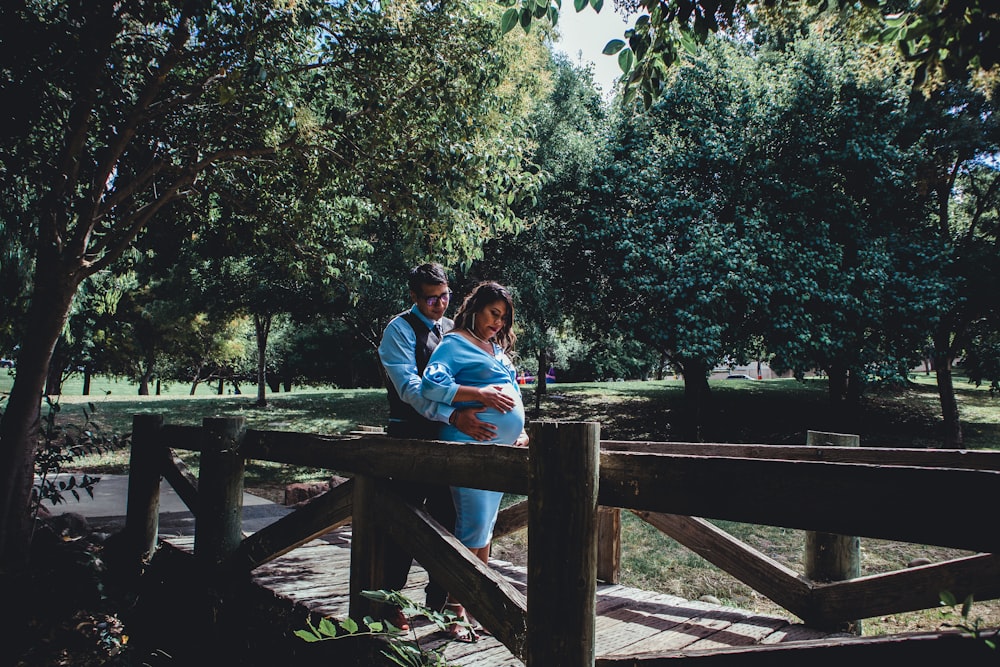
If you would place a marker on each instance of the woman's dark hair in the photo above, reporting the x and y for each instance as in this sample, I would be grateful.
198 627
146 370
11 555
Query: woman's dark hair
481 296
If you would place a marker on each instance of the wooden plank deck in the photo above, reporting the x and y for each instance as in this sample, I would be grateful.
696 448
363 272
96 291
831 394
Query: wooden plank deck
630 621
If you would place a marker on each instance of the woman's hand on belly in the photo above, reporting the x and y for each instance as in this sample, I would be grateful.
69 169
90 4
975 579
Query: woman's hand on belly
493 396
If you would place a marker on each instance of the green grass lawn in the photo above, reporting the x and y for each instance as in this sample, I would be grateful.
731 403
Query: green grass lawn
766 411
114 403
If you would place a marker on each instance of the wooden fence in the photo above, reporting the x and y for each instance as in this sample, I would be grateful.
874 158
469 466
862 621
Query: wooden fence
575 484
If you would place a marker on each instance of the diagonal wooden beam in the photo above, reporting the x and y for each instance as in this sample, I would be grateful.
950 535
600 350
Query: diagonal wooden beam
181 479
757 570
493 600
906 590
324 513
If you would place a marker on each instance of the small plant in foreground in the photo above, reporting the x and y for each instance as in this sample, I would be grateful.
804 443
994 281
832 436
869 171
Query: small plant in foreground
975 628
402 650
59 446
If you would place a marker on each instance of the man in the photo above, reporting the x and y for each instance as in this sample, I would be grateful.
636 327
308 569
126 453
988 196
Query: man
406 345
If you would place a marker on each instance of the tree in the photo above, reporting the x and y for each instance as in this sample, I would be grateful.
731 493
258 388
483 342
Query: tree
536 262
762 202
945 40
954 135
844 290
140 101
671 233
283 244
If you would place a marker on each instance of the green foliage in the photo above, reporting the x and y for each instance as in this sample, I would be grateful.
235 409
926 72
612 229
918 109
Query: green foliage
670 255
973 627
536 262
59 448
312 148
403 652
611 357
982 360
764 207
852 282
61 444
945 40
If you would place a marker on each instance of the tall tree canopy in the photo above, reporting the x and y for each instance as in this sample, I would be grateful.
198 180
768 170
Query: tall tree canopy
763 199
568 129
122 115
954 137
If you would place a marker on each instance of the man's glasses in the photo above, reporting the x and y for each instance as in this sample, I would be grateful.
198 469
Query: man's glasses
433 300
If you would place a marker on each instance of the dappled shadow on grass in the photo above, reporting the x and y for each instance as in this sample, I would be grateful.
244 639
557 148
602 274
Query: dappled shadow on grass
765 412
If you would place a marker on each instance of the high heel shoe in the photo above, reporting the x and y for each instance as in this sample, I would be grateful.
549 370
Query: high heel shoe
460 629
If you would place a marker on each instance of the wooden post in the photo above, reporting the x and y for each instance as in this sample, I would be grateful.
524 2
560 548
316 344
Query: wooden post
367 548
142 507
562 544
829 557
219 519
609 544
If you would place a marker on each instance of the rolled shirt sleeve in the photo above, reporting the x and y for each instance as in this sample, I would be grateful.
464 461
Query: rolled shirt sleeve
439 384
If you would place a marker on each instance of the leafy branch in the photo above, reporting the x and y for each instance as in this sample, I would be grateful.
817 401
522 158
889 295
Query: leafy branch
402 650
59 446
974 627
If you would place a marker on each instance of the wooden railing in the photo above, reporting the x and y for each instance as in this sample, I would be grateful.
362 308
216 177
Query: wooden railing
574 485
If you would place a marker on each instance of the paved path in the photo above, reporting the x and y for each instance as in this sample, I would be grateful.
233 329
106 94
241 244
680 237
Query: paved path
106 510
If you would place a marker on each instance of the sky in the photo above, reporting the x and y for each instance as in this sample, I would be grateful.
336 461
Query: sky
588 32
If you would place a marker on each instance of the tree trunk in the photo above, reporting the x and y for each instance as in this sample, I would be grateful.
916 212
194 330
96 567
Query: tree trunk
262 327
53 378
19 426
837 382
952 435
697 395
855 386
144 378
661 366
944 344
541 379
86 381
196 380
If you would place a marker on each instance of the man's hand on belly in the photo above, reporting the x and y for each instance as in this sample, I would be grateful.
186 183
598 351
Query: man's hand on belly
468 422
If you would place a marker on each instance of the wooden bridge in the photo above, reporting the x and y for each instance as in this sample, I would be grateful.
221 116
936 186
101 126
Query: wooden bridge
566 608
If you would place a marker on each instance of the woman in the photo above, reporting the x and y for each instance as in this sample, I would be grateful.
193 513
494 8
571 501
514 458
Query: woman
471 366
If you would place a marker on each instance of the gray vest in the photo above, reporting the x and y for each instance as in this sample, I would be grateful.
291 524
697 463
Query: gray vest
413 424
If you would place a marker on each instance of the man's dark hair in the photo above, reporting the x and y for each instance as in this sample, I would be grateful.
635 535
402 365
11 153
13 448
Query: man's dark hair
427 274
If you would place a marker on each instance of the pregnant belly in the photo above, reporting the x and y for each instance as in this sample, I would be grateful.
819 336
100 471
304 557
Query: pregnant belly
509 424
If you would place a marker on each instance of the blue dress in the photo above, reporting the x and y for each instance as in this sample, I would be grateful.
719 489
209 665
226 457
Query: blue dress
458 362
